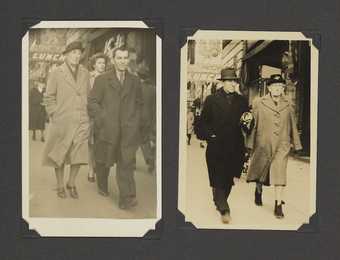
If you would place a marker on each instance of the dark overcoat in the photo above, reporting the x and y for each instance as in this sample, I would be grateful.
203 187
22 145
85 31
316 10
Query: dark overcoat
37 111
225 153
149 109
116 109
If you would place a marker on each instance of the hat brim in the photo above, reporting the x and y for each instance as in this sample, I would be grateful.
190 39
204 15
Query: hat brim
224 79
66 51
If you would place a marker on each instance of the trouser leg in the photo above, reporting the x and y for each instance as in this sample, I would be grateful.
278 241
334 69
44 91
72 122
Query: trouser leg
125 177
147 152
102 172
220 197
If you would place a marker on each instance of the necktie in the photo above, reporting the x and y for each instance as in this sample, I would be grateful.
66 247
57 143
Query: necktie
121 78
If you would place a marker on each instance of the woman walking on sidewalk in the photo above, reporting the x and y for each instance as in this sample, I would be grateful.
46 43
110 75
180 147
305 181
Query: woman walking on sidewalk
270 142
97 65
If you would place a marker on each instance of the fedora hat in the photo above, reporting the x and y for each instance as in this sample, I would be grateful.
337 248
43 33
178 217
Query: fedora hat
76 45
228 74
275 78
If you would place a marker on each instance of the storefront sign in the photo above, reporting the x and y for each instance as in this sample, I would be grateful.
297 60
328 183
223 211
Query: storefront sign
45 56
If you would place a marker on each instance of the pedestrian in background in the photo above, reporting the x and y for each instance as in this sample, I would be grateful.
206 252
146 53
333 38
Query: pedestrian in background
271 140
66 101
148 145
220 126
190 124
97 66
37 112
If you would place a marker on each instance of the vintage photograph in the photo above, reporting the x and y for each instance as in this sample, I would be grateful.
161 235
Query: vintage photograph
248 130
91 134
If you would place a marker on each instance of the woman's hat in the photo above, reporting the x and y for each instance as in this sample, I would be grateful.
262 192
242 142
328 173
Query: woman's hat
228 74
275 78
76 45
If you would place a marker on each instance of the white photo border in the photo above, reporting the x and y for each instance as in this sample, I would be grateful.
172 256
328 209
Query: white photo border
88 227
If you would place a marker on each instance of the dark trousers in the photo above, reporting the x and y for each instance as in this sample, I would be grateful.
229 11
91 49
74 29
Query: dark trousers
102 173
220 197
189 138
149 153
124 176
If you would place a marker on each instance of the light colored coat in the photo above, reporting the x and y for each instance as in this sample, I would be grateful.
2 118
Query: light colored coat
271 140
66 105
190 122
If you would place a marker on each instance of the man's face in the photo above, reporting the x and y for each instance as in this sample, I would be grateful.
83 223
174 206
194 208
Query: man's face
229 85
73 57
99 65
121 60
276 89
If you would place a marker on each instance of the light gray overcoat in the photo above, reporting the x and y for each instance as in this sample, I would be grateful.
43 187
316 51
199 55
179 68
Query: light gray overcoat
271 140
66 105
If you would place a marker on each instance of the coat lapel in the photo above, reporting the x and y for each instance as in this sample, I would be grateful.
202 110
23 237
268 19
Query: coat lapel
284 103
268 102
69 78
113 80
221 100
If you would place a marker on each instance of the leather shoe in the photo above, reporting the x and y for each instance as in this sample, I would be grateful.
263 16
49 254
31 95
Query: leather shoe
226 219
91 178
128 203
73 191
61 193
103 193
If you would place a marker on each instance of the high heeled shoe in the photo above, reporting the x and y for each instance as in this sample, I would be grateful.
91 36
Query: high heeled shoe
73 191
91 178
278 212
61 193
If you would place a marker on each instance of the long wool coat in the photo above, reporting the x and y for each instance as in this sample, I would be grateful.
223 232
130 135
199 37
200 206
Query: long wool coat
271 139
65 101
116 109
37 113
225 153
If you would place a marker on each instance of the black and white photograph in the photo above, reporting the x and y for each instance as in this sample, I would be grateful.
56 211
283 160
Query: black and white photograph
247 149
91 128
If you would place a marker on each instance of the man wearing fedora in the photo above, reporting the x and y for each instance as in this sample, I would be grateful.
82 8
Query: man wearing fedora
66 100
115 104
220 127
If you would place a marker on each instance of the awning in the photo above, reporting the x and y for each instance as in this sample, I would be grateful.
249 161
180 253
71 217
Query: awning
256 50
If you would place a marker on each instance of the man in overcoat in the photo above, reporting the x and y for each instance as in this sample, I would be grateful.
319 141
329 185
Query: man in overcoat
65 102
115 103
220 126
148 145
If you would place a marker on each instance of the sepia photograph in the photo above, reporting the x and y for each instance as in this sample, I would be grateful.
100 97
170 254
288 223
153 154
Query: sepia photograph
247 153
91 122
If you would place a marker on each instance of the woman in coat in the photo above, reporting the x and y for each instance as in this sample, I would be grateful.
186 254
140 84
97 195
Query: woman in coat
97 65
271 140
66 102
37 111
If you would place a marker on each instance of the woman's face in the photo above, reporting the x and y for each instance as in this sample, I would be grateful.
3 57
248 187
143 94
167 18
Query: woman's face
99 65
276 89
